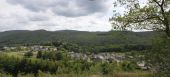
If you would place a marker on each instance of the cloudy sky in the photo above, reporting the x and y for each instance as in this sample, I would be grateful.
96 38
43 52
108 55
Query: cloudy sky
83 15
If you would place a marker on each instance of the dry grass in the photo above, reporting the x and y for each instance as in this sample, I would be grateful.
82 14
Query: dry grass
132 74
125 74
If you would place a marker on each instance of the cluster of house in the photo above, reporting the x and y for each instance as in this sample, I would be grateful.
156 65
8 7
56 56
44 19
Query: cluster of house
9 48
104 57
98 57
43 48
31 48
74 55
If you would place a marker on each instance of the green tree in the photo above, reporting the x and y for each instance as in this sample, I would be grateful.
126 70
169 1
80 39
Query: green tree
158 58
106 69
39 54
28 54
154 15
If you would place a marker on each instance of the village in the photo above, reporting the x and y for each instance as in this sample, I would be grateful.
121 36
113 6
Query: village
97 57
83 56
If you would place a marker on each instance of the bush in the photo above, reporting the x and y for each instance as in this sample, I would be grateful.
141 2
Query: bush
5 75
129 66
28 54
158 58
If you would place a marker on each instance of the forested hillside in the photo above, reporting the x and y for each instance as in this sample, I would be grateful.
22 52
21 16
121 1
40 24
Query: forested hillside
81 38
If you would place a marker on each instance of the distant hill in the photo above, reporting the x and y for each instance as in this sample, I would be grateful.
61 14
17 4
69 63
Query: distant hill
78 37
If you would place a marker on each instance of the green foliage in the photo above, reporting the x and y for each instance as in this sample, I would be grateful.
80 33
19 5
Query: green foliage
39 54
120 74
59 56
106 68
28 54
75 37
113 41
5 75
158 57
58 62
14 65
32 66
154 15
52 55
129 66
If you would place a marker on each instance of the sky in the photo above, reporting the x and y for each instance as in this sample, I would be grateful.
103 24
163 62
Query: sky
52 15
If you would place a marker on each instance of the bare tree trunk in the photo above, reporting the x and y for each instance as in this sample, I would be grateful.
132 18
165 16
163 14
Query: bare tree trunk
167 31
166 23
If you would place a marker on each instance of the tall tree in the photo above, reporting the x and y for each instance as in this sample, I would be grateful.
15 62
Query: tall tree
151 15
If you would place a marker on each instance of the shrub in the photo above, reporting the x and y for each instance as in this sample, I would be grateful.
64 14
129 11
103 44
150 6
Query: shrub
28 54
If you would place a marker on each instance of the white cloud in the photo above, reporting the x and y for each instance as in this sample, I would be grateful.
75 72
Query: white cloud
38 14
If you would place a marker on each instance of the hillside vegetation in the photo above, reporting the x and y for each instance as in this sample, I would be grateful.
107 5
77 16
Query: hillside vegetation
58 54
79 37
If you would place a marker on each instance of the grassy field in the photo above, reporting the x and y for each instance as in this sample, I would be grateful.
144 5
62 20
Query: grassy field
18 54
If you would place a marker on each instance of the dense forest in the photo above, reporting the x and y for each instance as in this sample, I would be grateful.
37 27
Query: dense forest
79 37
81 41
